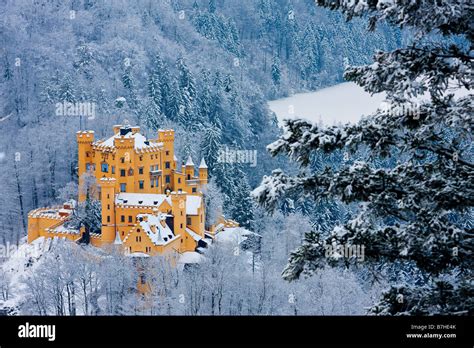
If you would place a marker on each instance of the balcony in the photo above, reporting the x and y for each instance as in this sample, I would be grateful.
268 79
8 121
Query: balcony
156 172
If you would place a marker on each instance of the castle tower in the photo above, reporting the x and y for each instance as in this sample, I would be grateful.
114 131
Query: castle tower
178 208
203 172
107 200
189 171
84 158
166 136
125 155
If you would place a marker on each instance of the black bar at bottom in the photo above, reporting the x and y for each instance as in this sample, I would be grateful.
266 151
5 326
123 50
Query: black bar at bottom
136 331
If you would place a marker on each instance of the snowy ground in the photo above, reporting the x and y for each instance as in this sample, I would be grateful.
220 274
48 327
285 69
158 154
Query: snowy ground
342 103
20 264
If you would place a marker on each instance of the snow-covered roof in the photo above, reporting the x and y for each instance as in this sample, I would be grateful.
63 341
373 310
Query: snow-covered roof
193 234
138 254
203 164
189 162
63 229
233 235
141 199
192 204
156 228
141 142
190 257
118 240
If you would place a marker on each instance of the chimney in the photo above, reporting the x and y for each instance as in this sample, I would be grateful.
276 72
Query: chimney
117 128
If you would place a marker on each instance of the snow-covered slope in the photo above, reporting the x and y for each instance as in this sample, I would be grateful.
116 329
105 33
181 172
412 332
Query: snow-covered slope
20 263
345 102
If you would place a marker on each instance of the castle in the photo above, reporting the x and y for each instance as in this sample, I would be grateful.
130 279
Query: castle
149 205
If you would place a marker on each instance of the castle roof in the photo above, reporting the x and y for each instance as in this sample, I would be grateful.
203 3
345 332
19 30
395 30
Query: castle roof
141 199
141 142
189 162
203 164
193 202
156 228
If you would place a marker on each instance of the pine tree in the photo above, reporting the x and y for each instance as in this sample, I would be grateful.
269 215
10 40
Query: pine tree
216 111
276 73
211 145
240 204
406 211
160 75
129 85
187 91
174 109
66 90
204 98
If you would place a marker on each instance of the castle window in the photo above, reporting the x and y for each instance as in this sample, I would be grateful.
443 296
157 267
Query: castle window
88 154
123 233
104 167
188 221
130 218
167 165
123 187
113 169
122 159
88 166
122 172
152 183
108 218
181 226
108 206
167 153
157 183
189 176
141 158
167 179
140 170
122 218
194 189
138 230
179 180
141 184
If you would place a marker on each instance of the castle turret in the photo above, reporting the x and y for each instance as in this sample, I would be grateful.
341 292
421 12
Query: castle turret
178 204
107 200
84 159
189 170
203 172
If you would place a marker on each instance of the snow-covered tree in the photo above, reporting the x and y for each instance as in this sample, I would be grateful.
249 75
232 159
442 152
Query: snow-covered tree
211 145
406 211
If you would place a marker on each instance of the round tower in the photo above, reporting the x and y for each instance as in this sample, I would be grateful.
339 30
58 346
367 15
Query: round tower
107 200
203 172
189 170
84 158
